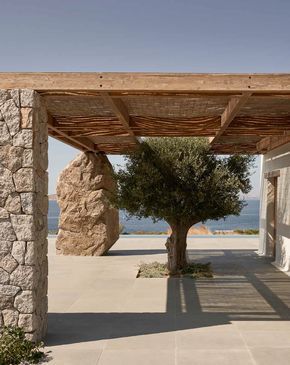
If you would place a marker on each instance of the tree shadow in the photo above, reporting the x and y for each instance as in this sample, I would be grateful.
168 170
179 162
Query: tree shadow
245 288
135 252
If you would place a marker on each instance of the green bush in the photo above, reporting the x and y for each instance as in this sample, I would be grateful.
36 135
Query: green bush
15 348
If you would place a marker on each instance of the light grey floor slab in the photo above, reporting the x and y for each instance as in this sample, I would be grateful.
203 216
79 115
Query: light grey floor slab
100 313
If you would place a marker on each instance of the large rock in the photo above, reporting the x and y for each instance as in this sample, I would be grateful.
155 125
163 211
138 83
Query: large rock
88 224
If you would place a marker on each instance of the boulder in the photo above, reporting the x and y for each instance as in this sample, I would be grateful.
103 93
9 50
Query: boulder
88 224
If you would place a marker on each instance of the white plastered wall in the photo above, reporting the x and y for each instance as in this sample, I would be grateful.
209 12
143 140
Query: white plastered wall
277 160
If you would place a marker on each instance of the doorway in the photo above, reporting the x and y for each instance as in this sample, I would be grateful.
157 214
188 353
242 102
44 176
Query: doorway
271 219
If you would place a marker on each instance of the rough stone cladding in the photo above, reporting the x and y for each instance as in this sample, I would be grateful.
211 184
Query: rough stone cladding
23 211
88 224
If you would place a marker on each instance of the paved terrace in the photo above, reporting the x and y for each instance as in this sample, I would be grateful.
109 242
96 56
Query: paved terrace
99 313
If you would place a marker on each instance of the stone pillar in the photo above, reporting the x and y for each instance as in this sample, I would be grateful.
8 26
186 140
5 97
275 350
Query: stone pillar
88 224
23 211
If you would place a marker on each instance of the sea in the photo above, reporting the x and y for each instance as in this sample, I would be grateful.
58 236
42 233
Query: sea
248 219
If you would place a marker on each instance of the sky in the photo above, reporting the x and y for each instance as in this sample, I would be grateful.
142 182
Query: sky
147 36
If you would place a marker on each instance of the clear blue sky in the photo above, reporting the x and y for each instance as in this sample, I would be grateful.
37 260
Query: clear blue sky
151 35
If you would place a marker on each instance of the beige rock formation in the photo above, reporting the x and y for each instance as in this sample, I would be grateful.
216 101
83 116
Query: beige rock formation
88 224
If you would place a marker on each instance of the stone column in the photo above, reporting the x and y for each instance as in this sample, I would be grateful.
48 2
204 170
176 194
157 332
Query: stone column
88 224
23 211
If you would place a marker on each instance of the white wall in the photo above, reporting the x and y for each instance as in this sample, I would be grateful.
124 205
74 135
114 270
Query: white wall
278 159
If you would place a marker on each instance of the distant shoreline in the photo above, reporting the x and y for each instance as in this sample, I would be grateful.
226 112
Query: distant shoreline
237 232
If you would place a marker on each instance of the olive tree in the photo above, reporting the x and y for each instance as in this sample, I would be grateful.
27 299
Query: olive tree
182 182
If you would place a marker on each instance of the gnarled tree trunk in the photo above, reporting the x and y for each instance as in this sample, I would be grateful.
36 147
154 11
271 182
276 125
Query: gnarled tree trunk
176 248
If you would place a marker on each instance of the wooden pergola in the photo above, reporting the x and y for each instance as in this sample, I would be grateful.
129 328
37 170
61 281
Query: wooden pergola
108 112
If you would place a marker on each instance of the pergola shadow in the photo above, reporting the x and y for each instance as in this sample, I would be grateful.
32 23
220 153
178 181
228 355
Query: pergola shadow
246 287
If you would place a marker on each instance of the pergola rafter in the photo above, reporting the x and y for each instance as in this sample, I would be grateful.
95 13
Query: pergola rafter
108 112
232 109
121 112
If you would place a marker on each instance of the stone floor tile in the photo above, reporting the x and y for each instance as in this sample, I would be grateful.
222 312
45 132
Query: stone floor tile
137 357
214 357
271 356
70 356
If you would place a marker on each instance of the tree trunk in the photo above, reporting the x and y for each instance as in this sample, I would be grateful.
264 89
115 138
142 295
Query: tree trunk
176 248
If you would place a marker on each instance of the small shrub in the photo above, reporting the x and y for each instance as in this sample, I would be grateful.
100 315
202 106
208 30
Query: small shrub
16 349
153 270
247 231
158 270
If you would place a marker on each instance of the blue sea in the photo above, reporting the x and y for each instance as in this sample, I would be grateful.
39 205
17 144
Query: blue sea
248 219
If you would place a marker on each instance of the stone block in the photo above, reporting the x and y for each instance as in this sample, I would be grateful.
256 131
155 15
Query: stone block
24 180
13 204
5 247
8 263
6 185
18 251
23 138
27 158
11 116
11 157
9 290
3 213
28 322
27 202
6 231
4 277
25 302
4 96
29 99
30 255
15 95
5 137
6 302
10 317
26 117
23 226
24 277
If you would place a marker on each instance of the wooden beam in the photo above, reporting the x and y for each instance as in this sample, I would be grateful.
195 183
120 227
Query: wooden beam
232 109
270 143
81 143
121 112
172 82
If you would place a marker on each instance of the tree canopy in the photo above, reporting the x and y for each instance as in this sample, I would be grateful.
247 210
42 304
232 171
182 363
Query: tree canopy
179 179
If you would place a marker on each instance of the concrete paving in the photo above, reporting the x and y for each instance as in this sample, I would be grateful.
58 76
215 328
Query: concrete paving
100 313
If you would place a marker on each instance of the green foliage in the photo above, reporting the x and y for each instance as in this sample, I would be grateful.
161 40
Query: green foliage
158 270
15 348
247 231
180 180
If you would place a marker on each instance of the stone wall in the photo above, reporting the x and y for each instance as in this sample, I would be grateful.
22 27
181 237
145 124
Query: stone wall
23 211
88 224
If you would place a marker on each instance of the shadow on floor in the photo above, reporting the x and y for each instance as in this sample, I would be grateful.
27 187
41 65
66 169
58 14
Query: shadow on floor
135 252
246 287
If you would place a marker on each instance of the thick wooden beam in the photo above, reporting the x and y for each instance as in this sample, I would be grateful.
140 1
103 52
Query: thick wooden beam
81 143
172 82
121 112
232 109
270 143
